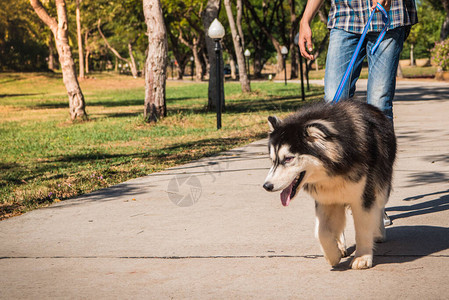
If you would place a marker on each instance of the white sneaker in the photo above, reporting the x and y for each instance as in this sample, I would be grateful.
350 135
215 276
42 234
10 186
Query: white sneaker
387 221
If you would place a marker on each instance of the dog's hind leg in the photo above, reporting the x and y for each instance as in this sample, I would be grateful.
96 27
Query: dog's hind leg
380 235
366 223
331 221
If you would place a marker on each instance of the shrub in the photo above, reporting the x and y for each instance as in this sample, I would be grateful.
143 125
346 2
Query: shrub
440 54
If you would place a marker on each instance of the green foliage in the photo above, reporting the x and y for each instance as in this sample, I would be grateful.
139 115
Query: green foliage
440 54
320 31
183 18
424 34
23 37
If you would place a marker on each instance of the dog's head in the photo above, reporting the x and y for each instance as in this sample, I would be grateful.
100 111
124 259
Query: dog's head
298 151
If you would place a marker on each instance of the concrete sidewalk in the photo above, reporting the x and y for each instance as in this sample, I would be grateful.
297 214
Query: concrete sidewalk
208 230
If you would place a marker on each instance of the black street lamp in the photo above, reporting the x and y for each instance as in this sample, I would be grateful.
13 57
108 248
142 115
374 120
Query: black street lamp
307 76
284 52
216 32
300 67
247 55
191 66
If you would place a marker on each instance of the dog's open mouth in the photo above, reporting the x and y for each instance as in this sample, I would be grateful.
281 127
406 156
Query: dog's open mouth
288 193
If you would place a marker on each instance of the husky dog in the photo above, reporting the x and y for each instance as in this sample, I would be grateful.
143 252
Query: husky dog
343 156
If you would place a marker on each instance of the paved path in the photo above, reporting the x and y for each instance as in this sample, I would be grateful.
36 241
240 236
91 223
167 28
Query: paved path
236 240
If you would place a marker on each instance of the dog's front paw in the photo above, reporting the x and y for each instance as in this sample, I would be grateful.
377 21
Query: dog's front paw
333 258
362 262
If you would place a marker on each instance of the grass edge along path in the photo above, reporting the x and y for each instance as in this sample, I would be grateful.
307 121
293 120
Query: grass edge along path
45 158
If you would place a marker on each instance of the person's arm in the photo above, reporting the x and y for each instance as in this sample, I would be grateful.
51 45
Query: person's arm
305 33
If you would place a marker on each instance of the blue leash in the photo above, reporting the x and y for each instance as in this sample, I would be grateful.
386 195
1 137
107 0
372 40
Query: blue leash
345 78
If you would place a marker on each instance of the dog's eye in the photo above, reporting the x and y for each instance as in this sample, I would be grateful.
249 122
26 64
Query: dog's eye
287 159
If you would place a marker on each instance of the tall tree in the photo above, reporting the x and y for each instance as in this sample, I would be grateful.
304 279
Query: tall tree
156 62
258 42
238 48
131 61
60 31
184 25
266 22
444 34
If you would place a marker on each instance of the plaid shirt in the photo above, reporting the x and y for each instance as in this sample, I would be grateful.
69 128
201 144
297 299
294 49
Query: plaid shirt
352 15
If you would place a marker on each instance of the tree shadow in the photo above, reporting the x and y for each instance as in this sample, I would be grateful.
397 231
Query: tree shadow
420 93
406 244
424 178
417 93
284 103
428 207
17 95
409 243
179 153
118 191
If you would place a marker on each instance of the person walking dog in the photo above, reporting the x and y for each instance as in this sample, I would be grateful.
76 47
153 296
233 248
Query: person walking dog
346 21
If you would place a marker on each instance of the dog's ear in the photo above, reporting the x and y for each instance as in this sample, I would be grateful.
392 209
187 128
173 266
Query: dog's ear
315 132
274 123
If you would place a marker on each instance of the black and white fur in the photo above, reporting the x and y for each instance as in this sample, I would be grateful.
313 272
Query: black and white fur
342 155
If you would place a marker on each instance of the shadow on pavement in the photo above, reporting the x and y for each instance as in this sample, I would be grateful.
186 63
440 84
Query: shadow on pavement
405 244
428 207
416 93
408 243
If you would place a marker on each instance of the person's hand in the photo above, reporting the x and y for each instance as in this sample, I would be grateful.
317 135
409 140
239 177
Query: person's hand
305 40
385 3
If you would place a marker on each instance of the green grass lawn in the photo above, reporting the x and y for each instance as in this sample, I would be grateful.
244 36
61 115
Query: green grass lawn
46 158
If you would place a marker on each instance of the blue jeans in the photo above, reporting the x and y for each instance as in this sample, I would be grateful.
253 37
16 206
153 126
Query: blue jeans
382 66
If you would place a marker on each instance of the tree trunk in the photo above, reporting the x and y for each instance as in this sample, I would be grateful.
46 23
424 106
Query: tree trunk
195 51
133 65
60 31
243 75
445 26
294 22
233 68
239 23
196 57
445 29
258 64
80 39
86 60
52 63
156 62
210 13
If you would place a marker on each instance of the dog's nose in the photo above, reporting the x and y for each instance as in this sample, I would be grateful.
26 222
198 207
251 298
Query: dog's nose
268 186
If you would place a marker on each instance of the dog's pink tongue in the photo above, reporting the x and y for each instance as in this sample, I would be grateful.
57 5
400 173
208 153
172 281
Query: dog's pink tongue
285 195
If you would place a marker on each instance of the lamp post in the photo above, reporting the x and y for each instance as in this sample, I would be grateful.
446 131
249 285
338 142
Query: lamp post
300 66
284 52
247 55
216 32
191 66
